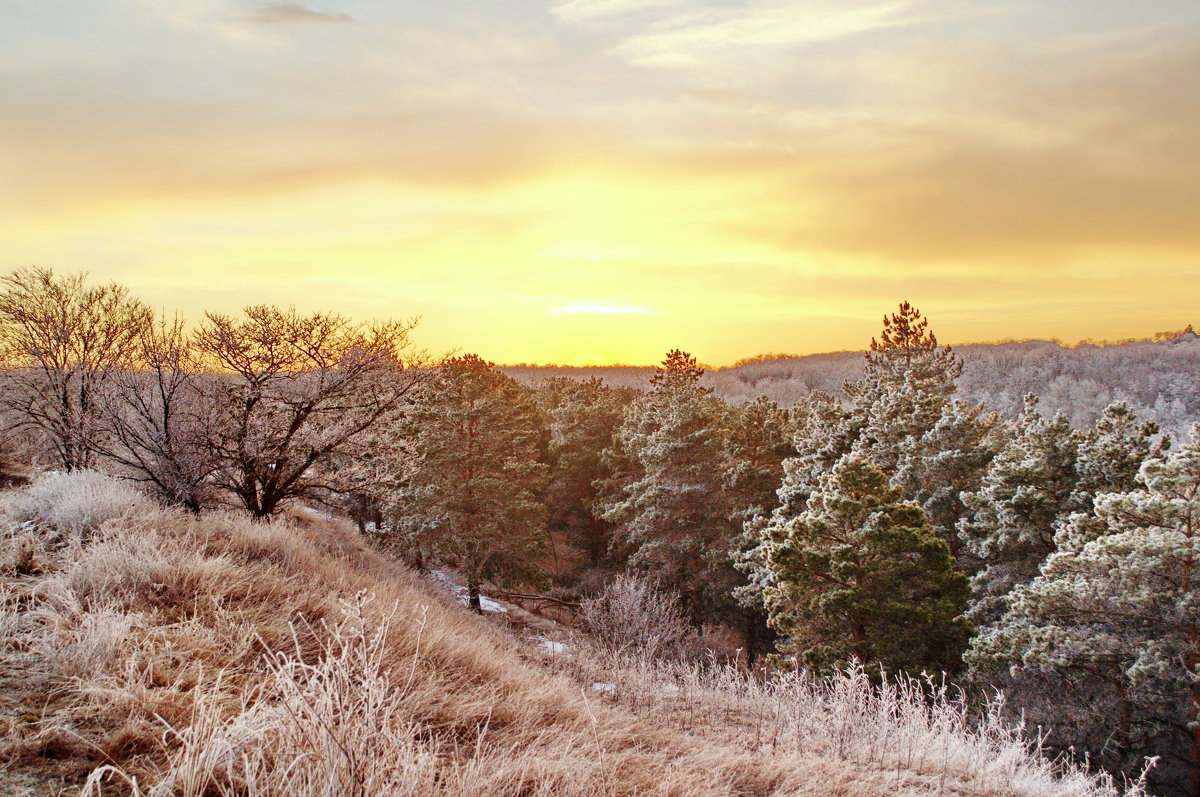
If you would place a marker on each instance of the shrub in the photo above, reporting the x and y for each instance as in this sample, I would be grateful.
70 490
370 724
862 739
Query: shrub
635 614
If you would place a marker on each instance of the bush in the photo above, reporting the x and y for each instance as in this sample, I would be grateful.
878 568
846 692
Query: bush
634 615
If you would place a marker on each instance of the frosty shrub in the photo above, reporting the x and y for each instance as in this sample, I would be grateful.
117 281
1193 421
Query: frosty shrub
73 503
634 615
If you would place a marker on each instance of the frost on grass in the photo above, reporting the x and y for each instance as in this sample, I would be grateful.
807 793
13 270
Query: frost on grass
73 503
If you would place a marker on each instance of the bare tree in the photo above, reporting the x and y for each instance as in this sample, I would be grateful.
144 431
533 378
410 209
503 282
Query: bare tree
156 411
62 340
302 399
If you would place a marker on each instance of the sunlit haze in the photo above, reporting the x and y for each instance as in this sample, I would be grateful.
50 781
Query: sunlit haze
596 181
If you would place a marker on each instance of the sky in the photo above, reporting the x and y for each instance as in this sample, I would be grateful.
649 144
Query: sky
598 181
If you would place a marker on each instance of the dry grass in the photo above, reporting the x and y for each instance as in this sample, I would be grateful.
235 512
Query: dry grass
152 652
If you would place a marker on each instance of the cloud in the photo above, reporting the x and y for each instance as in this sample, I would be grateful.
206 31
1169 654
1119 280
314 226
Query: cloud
290 13
695 35
600 307
601 12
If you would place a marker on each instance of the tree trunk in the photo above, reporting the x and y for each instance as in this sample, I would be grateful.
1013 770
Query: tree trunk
473 596
860 643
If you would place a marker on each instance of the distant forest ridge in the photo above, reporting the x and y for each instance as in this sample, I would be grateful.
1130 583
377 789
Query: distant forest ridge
1160 378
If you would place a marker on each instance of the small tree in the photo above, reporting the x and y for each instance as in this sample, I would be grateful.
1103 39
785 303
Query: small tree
860 576
297 394
156 409
634 615
61 341
473 500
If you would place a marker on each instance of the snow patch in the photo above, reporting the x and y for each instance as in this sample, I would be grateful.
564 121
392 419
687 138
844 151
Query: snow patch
460 592
551 647
603 688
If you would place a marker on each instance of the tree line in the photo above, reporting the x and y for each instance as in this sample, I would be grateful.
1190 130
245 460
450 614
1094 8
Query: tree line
891 524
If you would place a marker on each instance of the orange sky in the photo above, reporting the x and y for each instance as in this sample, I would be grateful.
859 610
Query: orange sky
600 180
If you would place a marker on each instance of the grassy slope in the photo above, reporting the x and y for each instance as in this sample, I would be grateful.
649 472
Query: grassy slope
213 656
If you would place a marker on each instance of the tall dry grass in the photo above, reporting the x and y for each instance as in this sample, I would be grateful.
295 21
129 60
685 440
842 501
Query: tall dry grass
147 651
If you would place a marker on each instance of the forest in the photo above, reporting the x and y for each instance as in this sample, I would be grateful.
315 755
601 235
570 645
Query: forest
1021 517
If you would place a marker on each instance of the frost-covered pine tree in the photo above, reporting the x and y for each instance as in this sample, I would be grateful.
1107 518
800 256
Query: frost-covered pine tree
906 352
938 465
910 425
1113 451
473 502
671 512
903 418
1010 527
824 431
758 440
861 576
1118 602
1046 472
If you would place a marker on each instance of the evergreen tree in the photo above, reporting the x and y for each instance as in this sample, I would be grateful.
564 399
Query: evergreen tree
1117 601
583 417
1031 483
903 419
473 501
1112 453
671 513
824 432
938 465
758 440
910 425
861 576
1046 472
906 352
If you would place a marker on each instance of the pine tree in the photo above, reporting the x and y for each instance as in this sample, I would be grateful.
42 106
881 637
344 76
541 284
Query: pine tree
1112 453
1046 472
1117 601
904 420
938 465
671 513
1031 484
825 431
906 352
473 502
583 418
910 425
861 576
758 441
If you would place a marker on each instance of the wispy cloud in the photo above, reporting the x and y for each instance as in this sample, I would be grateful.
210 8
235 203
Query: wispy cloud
691 38
291 13
600 307
558 307
599 12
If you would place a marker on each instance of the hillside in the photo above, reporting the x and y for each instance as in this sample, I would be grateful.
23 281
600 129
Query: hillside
1156 378
147 650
